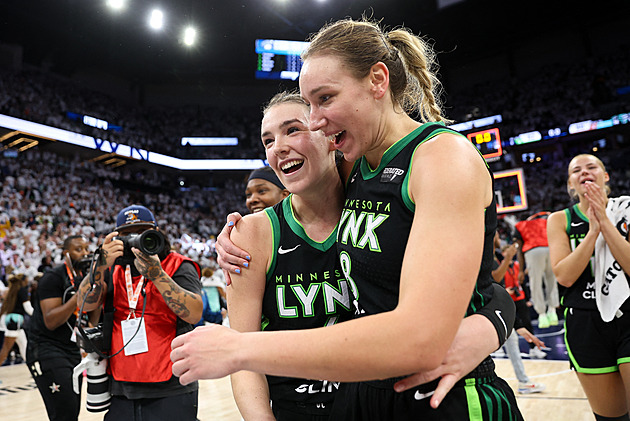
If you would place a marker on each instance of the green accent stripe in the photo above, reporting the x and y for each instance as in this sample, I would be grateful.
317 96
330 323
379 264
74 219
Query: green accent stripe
567 214
601 370
579 213
405 186
298 229
275 240
472 398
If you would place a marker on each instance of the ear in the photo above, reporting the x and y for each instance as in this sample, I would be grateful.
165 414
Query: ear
379 79
606 177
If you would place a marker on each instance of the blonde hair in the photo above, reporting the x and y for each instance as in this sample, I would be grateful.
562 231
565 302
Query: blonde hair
410 59
572 193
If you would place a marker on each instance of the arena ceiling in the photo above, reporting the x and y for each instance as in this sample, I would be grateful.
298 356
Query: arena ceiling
78 36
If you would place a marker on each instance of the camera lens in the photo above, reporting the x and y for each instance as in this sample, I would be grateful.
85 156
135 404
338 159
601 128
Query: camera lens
151 242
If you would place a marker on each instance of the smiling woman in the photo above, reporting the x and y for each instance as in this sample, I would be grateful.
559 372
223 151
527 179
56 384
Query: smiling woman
263 189
414 274
590 255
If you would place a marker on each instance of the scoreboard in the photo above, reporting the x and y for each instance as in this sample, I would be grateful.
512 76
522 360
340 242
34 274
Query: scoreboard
279 59
488 142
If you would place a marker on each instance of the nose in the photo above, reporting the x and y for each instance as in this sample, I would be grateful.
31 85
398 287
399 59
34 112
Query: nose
280 146
317 120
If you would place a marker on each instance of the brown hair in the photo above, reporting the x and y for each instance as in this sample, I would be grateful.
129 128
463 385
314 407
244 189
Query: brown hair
572 193
15 283
282 98
207 272
410 59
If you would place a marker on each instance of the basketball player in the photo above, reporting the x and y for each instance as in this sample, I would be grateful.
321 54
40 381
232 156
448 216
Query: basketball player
597 330
417 272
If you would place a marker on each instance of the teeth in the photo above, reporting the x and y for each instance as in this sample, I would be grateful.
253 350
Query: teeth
291 164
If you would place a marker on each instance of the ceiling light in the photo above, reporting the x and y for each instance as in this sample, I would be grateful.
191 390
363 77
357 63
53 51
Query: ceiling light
190 36
116 4
156 21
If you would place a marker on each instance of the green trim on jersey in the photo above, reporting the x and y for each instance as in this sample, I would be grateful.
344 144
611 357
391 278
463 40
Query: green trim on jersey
406 196
298 229
601 370
275 239
390 153
578 212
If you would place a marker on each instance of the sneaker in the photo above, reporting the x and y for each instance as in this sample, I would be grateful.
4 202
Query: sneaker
543 321
552 316
537 353
531 387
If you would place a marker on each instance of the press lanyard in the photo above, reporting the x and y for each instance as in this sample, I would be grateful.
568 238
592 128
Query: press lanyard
70 274
132 296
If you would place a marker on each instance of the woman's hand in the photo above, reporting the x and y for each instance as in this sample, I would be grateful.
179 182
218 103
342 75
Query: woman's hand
229 257
597 201
204 353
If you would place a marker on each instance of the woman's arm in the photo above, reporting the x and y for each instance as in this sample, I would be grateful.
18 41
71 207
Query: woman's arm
245 297
568 265
433 296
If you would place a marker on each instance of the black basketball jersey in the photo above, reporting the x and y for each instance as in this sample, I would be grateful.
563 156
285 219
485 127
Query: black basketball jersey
582 293
376 222
305 289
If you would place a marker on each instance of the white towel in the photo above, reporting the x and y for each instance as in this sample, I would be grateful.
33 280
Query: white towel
610 281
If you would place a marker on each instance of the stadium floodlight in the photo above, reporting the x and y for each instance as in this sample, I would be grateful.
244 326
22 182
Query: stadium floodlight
116 4
190 36
156 20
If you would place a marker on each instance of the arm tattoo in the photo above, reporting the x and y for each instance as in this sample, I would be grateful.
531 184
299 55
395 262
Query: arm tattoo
95 294
102 258
175 296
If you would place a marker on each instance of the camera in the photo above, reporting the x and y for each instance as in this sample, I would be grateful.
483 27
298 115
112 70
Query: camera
149 242
83 266
98 396
92 339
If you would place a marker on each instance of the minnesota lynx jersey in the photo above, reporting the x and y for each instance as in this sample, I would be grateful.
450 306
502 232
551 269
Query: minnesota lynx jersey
305 289
376 222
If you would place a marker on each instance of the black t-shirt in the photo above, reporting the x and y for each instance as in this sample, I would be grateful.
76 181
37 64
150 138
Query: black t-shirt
42 342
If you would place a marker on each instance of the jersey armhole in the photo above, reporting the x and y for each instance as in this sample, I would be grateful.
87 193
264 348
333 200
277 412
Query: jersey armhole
275 239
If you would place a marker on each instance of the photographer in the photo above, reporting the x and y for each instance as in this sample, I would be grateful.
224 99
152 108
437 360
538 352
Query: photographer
155 298
52 353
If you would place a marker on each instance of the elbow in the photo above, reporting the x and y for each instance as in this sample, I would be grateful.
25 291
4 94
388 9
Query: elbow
564 281
50 325
196 312
562 278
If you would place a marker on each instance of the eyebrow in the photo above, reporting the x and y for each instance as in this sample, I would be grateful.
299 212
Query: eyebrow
315 90
283 125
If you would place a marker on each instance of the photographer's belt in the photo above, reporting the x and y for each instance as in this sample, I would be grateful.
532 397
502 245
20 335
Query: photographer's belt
134 332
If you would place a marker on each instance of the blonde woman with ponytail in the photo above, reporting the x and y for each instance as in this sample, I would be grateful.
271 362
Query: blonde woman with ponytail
415 242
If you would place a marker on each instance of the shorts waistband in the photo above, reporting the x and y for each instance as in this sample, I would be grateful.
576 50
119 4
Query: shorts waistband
484 372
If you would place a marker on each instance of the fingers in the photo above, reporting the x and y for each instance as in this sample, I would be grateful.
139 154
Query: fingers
108 237
444 386
228 278
416 380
